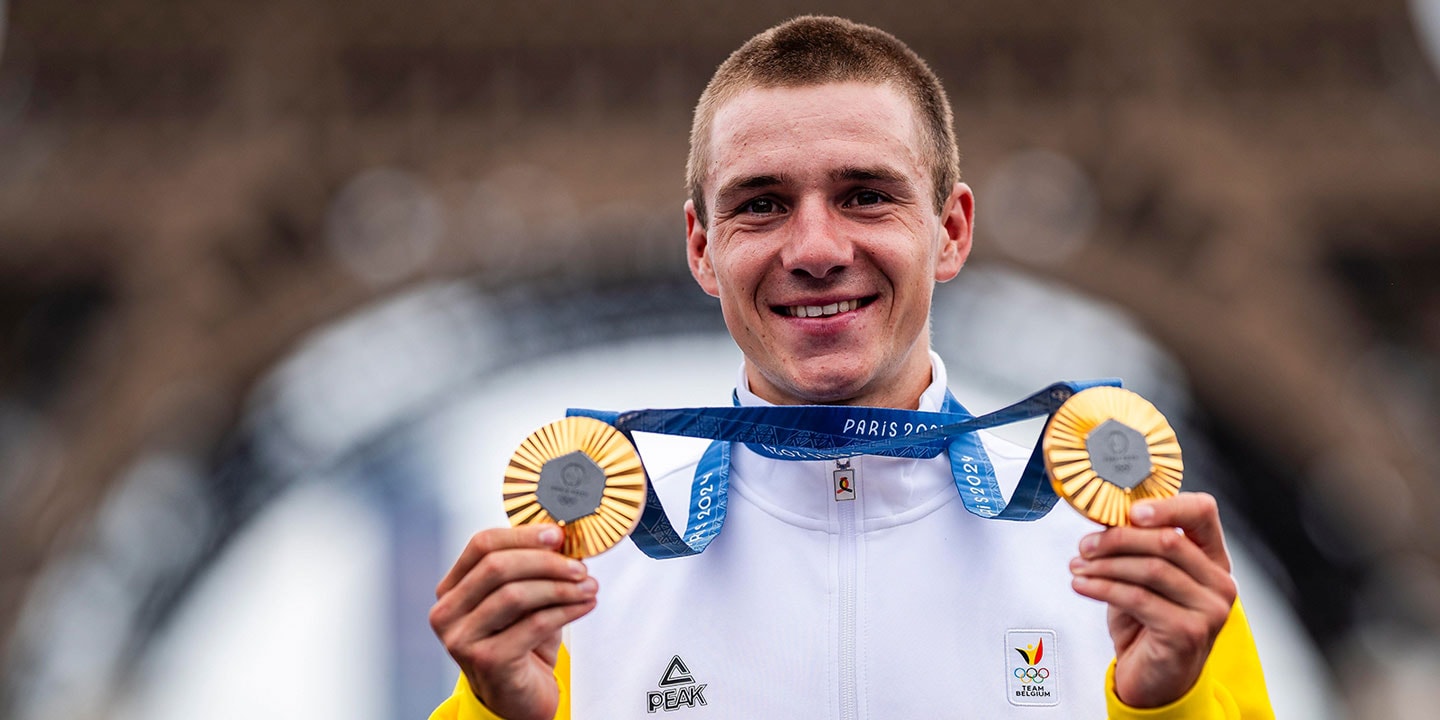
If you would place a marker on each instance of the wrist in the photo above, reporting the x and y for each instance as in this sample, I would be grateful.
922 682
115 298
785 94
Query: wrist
1190 703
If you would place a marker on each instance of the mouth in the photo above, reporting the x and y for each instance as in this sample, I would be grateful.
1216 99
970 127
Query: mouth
825 310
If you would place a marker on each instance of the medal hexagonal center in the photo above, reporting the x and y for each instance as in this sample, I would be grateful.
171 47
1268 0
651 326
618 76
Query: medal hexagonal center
570 486
1118 453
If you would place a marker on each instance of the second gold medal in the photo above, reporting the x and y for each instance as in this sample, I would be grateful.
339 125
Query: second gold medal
581 474
1106 448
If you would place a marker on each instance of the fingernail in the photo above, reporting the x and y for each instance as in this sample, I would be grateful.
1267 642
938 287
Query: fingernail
1088 544
577 568
1078 564
588 586
550 536
1142 514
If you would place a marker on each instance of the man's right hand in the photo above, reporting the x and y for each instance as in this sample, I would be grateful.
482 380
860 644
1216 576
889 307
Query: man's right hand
499 612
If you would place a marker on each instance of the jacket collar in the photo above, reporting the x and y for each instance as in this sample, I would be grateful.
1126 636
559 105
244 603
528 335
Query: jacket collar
889 491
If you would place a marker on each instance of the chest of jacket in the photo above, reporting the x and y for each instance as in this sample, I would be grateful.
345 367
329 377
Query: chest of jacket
838 610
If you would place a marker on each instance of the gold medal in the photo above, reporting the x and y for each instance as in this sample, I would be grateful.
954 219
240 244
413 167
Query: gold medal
1106 448
581 474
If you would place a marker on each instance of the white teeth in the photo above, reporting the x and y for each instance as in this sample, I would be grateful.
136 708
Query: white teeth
818 310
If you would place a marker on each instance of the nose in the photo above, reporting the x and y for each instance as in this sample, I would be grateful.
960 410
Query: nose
816 244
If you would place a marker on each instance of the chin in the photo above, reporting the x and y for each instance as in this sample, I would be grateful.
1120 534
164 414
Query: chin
827 390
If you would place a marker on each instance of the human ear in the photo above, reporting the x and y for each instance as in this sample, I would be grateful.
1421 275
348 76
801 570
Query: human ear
697 251
957 220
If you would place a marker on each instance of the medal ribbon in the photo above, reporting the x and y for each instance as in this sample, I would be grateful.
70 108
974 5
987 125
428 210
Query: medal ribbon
832 432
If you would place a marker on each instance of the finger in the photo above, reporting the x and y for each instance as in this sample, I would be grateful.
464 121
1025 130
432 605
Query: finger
499 568
1160 616
535 631
1157 575
510 606
488 541
1196 513
513 602
543 624
1164 544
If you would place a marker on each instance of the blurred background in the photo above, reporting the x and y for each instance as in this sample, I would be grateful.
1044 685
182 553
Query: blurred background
283 283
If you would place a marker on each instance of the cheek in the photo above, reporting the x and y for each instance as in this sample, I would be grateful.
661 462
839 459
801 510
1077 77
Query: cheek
910 271
735 299
914 283
736 275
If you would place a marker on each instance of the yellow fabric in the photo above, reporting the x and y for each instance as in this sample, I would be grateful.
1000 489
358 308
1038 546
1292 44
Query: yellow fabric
1231 687
463 705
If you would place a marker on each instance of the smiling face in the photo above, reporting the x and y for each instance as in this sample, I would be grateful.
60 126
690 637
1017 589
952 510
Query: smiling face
823 242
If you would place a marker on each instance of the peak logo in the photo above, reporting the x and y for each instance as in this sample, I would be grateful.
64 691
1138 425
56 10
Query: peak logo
1033 679
678 689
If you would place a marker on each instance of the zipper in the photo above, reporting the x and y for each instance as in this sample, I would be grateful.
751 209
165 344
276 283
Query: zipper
849 691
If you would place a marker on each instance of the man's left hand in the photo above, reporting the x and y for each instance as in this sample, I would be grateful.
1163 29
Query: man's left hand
1169 593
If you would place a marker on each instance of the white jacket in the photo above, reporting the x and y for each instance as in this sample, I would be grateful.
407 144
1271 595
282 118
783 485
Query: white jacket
897 604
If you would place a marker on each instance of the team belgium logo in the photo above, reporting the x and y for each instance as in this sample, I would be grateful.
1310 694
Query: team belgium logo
1030 668
1031 672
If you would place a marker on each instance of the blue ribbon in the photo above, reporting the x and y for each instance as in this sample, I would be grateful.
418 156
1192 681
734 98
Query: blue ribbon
832 432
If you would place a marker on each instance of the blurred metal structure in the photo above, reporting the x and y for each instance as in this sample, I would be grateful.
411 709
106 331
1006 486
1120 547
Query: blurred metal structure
186 189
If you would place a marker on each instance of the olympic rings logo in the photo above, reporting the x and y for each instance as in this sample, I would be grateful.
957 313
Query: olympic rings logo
1032 674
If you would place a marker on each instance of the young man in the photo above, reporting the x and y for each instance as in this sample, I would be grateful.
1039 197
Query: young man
825 205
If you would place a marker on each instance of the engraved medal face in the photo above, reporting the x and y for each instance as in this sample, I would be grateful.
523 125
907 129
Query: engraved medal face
1106 448
570 486
582 474
1119 454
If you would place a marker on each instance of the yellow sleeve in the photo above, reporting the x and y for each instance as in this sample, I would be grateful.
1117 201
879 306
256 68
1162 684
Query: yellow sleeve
1230 687
463 705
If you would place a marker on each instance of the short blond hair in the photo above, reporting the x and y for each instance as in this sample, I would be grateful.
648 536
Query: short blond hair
815 50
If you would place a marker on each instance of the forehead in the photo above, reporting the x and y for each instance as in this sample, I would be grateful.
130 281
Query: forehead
786 129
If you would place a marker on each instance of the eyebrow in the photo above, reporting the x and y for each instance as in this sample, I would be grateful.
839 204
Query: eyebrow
883 174
753 182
